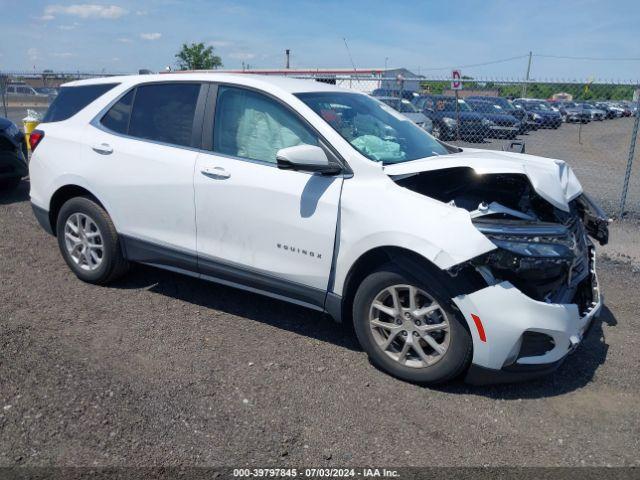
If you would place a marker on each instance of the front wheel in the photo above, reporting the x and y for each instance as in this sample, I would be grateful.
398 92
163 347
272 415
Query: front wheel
408 327
89 242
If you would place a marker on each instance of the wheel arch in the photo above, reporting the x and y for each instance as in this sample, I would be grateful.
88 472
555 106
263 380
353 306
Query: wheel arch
466 279
64 193
373 259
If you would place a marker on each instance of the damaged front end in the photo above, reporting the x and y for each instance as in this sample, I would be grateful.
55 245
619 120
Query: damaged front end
543 251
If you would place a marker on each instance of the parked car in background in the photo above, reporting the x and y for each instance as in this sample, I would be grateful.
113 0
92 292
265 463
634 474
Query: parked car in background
609 109
51 92
541 112
442 111
507 108
13 155
388 92
503 124
409 110
596 113
572 113
632 107
622 109
22 89
327 199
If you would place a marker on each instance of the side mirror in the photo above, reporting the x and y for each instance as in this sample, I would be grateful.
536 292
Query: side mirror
516 147
306 158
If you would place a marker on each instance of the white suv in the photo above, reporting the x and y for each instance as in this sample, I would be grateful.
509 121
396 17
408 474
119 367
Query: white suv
446 260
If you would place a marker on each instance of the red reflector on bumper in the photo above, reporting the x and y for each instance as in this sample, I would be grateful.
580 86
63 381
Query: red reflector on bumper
476 320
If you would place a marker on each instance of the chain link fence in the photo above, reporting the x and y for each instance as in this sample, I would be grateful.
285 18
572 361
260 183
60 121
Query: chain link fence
592 125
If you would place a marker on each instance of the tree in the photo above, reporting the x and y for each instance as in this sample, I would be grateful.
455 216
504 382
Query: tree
197 57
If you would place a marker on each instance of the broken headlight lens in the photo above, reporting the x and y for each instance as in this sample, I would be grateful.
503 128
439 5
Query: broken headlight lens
533 248
527 239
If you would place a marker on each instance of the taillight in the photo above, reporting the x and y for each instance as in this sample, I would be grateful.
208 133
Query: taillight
35 138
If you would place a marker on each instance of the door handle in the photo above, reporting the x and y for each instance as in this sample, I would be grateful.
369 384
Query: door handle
103 149
215 172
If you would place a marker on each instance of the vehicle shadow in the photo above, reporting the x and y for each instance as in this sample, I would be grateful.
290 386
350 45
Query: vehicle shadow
577 371
241 303
16 195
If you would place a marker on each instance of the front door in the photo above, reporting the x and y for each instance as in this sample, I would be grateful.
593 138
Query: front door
269 229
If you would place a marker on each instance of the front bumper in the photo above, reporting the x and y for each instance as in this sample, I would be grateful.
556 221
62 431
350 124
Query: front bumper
505 314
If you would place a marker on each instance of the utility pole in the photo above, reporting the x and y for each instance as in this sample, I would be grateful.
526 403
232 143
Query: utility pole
287 53
524 87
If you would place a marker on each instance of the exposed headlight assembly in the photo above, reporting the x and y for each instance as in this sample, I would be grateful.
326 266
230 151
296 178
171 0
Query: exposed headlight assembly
536 257
527 239
531 247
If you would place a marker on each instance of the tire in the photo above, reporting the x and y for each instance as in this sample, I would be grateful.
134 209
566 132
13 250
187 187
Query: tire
9 184
446 366
106 247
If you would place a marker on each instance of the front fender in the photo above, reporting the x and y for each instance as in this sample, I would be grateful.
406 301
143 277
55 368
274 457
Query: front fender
380 213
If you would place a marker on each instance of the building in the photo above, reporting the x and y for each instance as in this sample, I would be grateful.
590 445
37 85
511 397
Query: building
361 79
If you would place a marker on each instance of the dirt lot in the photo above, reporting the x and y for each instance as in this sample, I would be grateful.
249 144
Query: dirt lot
161 369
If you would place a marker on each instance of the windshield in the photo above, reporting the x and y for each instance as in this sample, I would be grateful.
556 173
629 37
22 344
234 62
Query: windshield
538 106
505 104
374 129
445 104
486 107
408 107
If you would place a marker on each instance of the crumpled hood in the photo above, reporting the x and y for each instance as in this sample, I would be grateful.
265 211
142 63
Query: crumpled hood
552 179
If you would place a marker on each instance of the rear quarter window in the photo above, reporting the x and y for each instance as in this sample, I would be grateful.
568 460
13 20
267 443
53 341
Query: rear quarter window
71 100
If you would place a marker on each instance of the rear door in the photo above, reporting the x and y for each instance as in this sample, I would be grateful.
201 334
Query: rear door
258 225
143 151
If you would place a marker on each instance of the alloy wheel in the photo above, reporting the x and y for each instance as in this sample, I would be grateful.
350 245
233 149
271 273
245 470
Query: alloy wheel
83 241
409 326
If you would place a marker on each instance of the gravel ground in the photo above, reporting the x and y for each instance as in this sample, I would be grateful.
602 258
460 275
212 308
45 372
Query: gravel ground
161 369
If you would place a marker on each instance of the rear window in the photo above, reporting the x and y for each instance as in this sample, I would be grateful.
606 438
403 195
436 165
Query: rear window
165 112
71 100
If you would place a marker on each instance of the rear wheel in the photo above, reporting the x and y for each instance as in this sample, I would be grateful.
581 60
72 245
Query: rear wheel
89 242
408 327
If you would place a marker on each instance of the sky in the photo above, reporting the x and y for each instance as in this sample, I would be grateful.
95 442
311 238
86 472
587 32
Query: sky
426 37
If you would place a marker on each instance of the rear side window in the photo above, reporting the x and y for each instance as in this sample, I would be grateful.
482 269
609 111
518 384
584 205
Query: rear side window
165 112
71 100
117 118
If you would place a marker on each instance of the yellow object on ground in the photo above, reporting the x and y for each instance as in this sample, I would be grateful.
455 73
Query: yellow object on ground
29 126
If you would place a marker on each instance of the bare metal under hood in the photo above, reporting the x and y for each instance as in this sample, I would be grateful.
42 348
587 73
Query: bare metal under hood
552 179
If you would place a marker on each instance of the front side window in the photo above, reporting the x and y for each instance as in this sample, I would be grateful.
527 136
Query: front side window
165 112
250 125
374 129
